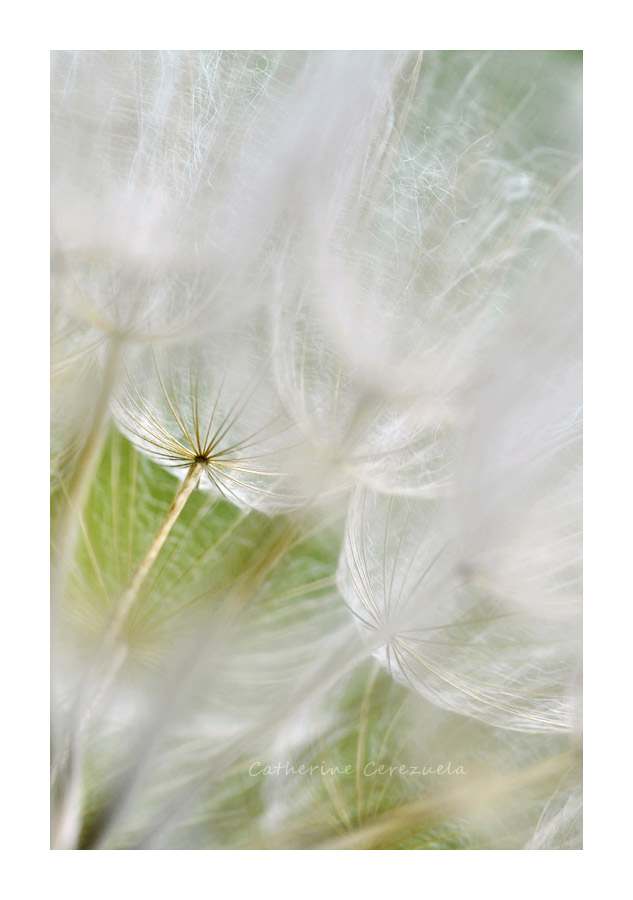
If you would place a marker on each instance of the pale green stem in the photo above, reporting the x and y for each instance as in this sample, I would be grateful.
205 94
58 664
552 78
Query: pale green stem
362 734
131 593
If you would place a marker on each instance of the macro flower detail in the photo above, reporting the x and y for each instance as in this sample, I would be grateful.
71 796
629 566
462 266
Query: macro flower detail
316 449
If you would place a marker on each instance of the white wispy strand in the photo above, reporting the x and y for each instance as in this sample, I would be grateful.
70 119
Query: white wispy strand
560 824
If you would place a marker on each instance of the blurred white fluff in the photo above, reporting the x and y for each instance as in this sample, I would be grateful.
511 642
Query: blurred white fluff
475 598
124 148
560 824
143 179
517 513
388 281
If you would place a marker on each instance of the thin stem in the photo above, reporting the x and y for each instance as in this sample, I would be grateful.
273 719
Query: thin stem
131 593
362 736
